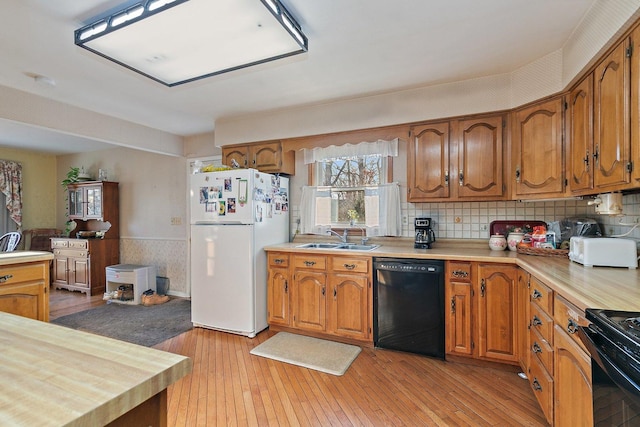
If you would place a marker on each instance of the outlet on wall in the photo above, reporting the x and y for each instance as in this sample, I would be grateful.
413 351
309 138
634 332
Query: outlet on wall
176 220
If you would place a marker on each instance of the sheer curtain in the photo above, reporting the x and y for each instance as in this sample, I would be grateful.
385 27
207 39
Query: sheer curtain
382 203
382 207
11 188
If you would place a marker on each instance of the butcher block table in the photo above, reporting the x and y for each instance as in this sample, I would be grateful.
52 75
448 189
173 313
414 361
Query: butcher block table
56 376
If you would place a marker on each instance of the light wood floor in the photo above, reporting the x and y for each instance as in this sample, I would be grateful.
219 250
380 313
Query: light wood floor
229 387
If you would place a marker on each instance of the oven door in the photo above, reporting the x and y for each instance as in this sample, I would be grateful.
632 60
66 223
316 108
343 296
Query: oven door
616 396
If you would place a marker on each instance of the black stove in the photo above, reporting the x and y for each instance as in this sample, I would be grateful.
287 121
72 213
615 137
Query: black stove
613 339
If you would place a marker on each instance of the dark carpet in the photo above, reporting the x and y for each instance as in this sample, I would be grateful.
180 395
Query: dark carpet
136 324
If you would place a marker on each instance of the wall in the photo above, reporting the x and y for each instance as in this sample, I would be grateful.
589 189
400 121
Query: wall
39 187
152 196
552 73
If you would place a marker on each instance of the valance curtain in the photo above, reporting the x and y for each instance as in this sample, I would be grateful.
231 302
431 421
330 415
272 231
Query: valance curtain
379 147
11 187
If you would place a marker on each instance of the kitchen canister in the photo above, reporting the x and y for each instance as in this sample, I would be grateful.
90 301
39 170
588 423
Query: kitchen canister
497 242
513 239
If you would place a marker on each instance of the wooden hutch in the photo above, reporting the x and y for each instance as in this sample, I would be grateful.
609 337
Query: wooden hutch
79 263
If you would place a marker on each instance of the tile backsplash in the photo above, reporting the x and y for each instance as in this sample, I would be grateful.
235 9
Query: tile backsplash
470 220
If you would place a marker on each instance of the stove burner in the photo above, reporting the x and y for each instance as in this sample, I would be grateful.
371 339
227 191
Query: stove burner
633 323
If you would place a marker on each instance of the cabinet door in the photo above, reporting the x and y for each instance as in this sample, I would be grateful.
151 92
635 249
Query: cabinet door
309 308
523 319
611 121
538 152
60 270
428 162
479 157
26 299
278 296
580 136
348 308
573 404
75 199
93 196
240 154
458 321
496 296
79 272
635 109
267 157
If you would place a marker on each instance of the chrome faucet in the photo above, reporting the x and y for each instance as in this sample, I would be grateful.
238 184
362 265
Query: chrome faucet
343 237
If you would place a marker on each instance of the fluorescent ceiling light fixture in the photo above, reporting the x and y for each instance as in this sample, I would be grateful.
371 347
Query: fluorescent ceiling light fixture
178 41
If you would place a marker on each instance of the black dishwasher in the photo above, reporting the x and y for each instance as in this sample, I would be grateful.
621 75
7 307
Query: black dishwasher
408 310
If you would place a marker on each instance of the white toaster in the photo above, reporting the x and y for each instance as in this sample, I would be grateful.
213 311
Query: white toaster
603 252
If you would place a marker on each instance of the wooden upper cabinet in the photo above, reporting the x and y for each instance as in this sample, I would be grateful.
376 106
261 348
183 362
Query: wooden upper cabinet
538 160
479 151
635 109
612 148
428 158
267 157
457 160
579 132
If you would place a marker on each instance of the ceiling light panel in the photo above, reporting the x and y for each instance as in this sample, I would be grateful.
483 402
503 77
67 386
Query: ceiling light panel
178 41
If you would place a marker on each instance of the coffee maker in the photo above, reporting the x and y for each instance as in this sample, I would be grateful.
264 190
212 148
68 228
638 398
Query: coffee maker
424 233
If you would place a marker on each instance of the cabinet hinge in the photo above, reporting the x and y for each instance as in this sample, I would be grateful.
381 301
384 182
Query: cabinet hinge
504 123
566 105
630 167
566 182
629 51
473 345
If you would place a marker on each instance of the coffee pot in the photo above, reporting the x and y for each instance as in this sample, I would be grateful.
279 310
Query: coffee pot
424 233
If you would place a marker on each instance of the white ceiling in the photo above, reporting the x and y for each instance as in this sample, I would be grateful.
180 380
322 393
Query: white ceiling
356 48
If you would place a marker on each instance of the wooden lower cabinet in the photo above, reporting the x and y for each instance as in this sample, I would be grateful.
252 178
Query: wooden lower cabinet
573 401
278 303
79 264
324 295
24 290
482 311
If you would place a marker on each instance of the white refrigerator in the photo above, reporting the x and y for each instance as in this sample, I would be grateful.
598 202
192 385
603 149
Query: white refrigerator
234 215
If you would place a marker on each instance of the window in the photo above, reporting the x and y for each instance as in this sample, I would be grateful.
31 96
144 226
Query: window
351 187
347 179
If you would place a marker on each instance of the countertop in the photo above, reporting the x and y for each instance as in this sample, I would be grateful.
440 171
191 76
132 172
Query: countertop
53 375
24 256
585 287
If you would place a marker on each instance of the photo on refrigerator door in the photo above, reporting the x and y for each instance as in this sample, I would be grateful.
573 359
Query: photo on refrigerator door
231 205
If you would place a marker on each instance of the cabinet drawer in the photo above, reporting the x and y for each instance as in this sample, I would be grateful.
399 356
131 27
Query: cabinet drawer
459 271
541 294
542 384
310 262
541 349
569 317
78 244
541 322
278 260
22 273
70 253
350 264
55 243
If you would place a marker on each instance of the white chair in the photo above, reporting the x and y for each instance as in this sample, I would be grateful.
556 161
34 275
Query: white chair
9 241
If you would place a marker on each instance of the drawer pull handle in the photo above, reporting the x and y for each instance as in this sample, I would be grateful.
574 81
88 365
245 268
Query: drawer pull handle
572 326
309 263
460 273
536 385
349 266
5 277
536 321
536 294
536 348
278 261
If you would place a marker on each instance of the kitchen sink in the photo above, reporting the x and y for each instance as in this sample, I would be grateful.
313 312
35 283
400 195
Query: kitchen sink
354 247
319 246
343 246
